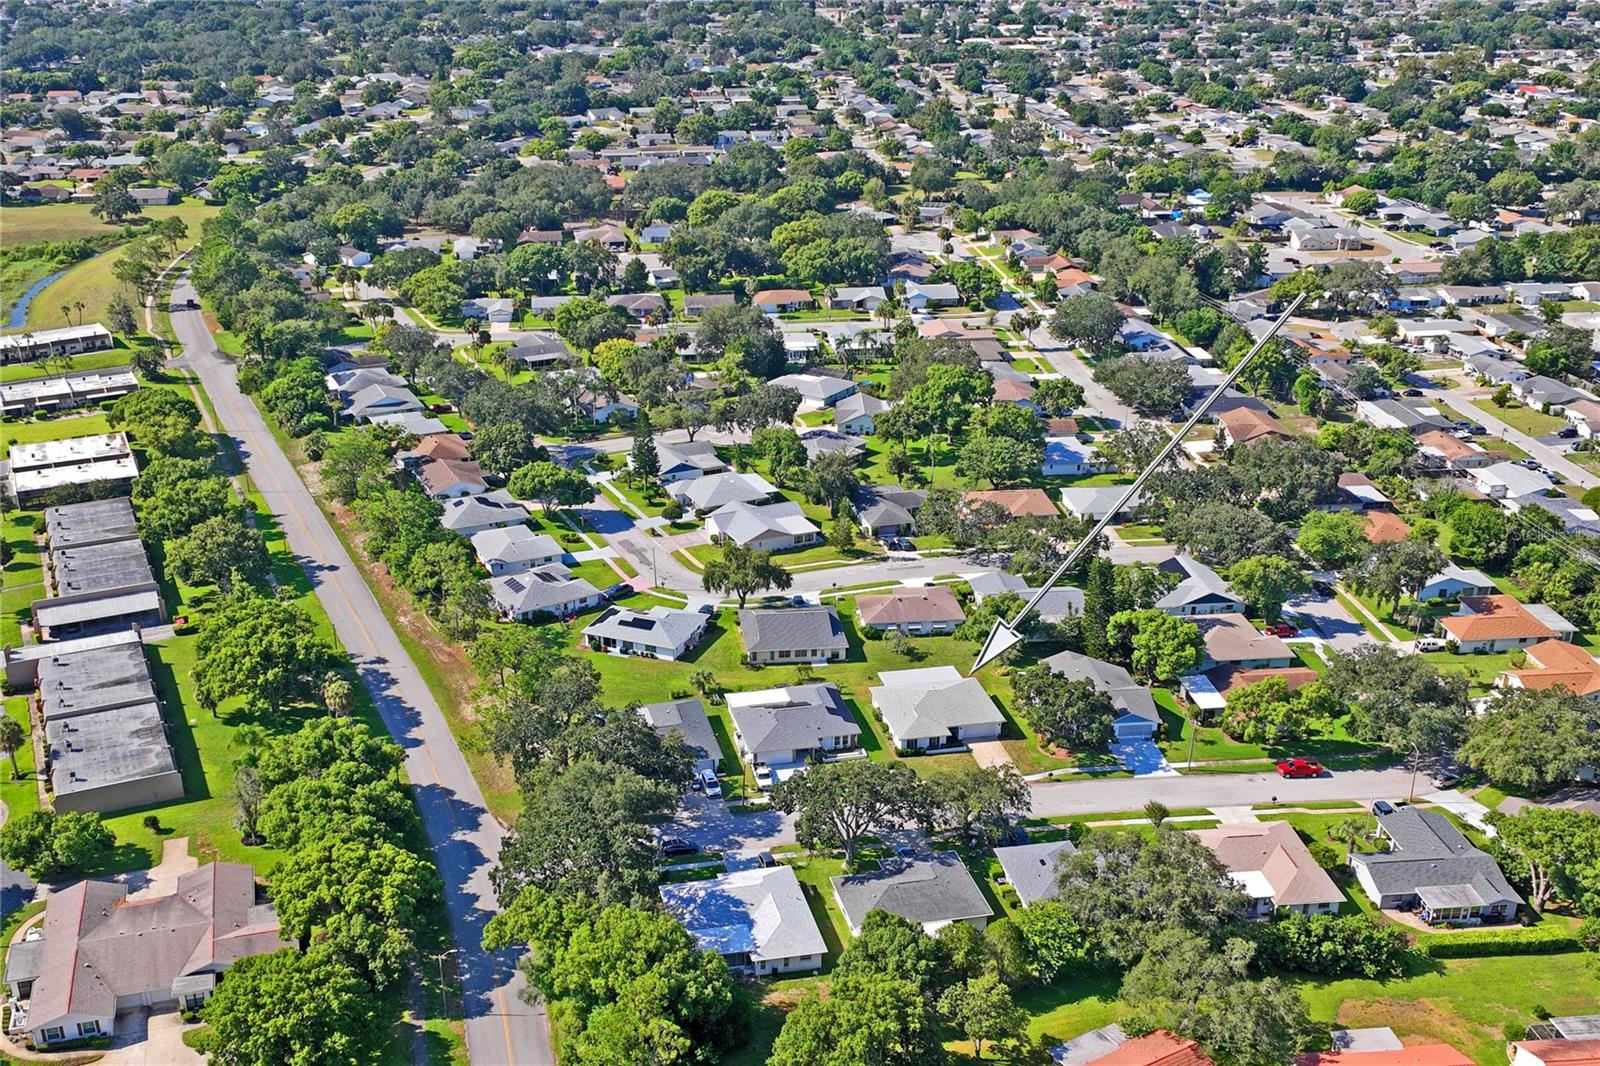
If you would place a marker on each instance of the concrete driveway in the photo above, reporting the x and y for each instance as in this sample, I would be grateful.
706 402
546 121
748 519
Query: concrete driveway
707 823
145 1039
1331 622
1142 758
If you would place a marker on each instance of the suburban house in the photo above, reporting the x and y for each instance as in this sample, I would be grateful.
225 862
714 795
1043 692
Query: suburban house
1555 664
1030 869
1381 1047
1509 481
695 306
681 462
1244 424
660 632
103 951
1201 591
757 919
1433 868
381 400
687 718
816 390
1232 641
1070 457
1500 623
855 414
858 298
1209 692
768 526
934 708
708 493
515 550
1272 865
920 612
545 590
783 728
447 479
467 515
1577 1052
1110 1046
792 634
1454 582
496 311
1092 501
932 892
920 296
777 301
1060 602
888 510
1018 503
1137 716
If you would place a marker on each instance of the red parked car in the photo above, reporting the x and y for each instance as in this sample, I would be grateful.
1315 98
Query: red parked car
1299 768
1283 629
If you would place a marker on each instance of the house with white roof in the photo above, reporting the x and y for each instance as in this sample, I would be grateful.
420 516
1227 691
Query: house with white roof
1508 481
1031 869
816 390
757 919
659 633
768 527
935 708
515 549
681 462
1455 581
1201 591
704 494
1071 457
467 515
547 590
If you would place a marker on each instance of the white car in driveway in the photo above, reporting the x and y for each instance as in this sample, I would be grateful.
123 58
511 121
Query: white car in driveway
1431 644
709 782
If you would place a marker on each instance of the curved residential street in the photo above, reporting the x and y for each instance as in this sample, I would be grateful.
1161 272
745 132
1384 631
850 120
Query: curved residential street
502 1029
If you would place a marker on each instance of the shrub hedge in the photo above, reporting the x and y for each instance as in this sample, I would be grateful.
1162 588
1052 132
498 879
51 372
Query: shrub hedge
1481 943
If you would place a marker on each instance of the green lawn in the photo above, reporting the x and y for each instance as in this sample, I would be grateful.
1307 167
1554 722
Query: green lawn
1328 741
1463 1002
21 792
83 424
1532 422
705 554
115 357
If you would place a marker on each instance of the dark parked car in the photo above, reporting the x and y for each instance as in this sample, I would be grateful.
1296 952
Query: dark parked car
1412 392
1322 588
1568 433
616 592
1382 807
672 847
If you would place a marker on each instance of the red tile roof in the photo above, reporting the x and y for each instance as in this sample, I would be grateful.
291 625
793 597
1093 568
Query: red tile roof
1159 1048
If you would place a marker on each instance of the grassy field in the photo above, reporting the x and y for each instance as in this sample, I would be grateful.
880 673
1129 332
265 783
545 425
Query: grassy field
62 222
92 281
115 357
1532 422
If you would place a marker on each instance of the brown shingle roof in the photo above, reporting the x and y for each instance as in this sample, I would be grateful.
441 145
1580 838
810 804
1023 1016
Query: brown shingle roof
933 604
1019 503
1276 851
1386 527
1494 618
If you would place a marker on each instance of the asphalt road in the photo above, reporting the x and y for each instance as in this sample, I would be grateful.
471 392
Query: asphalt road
502 1029
1460 397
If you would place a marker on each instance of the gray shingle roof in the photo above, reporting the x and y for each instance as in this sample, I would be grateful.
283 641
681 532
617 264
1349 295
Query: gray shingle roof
935 889
688 719
1031 868
1127 696
792 629
932 702
796 718
1429 852
659 627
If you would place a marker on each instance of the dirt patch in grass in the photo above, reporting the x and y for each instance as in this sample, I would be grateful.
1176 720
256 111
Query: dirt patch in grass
1417 1018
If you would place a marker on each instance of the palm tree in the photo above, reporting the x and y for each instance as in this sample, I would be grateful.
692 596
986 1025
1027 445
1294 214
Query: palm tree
66 313
11 741
1348 832
337 695
78 305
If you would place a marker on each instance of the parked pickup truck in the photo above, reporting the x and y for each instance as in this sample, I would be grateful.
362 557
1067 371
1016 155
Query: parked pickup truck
1299 768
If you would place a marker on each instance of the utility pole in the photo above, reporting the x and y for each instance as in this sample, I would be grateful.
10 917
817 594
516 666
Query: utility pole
1006 635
